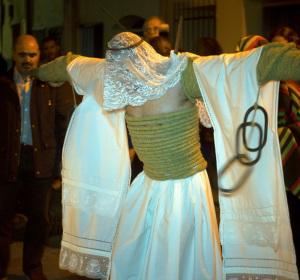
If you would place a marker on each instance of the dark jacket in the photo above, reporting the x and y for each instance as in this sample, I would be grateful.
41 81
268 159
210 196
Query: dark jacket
49 112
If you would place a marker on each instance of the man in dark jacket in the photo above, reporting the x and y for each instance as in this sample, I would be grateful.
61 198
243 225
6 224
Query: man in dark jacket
29 114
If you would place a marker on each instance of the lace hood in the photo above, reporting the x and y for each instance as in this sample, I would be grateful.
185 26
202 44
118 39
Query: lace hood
136 73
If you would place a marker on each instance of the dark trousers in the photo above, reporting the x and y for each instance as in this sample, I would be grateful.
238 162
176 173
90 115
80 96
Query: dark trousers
32 196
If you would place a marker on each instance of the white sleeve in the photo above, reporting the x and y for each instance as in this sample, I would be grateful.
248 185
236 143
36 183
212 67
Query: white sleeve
86 74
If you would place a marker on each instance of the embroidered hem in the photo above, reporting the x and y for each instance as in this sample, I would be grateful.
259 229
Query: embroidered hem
83 264
259 269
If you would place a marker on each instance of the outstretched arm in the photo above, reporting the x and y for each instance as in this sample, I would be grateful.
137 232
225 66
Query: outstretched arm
84 73
278 62
56 70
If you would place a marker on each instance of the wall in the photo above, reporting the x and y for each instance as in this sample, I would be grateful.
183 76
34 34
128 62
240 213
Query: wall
235 18
17 20
47 14
79 14
254 17
231 23
95 11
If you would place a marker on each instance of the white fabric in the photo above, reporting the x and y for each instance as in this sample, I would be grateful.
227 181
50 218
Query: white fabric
168 230
255 229
136 75
92 195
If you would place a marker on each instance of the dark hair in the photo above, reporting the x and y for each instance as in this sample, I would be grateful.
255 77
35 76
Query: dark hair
151 18
288 33
50 39
3 65
208 46
163 29
162 45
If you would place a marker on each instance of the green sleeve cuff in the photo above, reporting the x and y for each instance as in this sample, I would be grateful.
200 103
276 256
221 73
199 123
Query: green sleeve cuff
278 62
56 70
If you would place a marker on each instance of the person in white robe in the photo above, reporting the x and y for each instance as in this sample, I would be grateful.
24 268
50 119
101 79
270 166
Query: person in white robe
163 226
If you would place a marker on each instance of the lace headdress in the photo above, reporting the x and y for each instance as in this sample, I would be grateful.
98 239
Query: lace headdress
135 72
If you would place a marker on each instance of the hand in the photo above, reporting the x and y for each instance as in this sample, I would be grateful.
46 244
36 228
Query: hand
56 184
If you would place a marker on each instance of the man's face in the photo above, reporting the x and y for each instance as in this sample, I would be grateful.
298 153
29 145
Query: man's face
152 29
165 48
26 56
50 50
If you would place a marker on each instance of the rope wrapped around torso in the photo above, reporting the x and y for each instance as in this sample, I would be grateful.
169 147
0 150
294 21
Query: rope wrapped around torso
168 144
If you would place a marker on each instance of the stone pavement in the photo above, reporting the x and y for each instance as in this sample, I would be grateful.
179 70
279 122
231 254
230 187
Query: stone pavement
50 263
51 255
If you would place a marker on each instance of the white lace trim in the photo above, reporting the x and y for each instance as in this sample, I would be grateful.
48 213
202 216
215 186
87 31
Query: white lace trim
203 114
135 75
96 267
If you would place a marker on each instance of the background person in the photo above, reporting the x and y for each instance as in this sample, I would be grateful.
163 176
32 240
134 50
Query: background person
162 45
285 35
208 46
28 111
153 27
50 49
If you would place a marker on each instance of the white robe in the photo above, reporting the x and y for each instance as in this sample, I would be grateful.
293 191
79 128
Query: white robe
255 229
254 222
96 174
